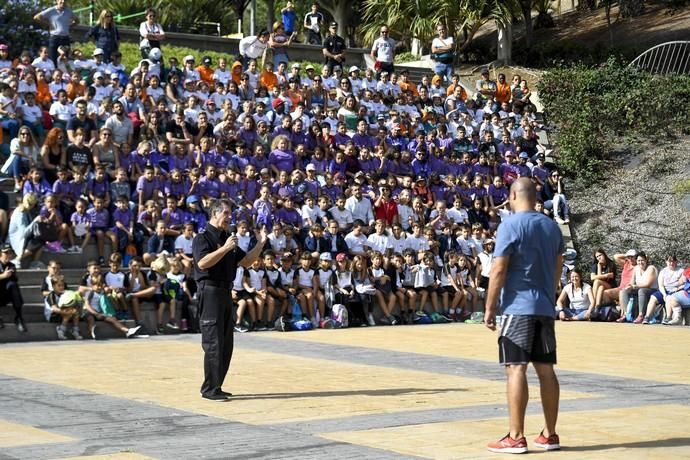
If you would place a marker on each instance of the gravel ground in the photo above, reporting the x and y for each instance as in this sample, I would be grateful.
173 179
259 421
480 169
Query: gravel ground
637 207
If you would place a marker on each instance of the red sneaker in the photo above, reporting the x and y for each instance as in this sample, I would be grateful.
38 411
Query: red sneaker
508 445
550 443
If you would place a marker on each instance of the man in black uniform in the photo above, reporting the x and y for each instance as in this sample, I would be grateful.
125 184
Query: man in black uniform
216 258
9 287
334 47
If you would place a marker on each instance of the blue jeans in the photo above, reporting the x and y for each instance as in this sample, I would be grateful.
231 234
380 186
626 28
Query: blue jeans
442 70
10 125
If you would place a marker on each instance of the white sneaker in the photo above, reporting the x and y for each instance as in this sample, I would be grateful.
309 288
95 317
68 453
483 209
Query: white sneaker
370 320
61 333
132 331
76 334
92 330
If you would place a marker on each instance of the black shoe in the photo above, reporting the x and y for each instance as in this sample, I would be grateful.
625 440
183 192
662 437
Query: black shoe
224 393
217 397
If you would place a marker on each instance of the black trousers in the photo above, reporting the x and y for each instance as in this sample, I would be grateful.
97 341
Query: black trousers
216 324
10 293
54 42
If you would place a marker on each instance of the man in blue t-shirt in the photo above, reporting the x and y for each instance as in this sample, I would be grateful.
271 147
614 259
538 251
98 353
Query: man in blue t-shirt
526 268
289 17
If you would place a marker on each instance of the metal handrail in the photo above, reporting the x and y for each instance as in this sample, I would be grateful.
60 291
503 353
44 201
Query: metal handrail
665 58
119 17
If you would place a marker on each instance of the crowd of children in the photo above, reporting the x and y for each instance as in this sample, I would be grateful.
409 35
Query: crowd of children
377 191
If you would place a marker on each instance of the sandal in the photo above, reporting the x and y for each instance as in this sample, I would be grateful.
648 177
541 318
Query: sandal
621 319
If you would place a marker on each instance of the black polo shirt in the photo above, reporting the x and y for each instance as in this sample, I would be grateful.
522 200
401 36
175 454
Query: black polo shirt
207 242
334 44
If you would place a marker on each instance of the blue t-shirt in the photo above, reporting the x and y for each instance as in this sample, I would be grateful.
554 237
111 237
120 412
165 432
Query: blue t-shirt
533 242
289 18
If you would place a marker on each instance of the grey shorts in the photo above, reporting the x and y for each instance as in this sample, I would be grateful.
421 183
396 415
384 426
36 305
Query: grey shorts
526 339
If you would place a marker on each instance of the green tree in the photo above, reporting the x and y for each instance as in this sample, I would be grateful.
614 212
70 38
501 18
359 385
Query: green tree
417 19
17 27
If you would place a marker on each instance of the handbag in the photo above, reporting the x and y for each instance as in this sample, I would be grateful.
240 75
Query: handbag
44 231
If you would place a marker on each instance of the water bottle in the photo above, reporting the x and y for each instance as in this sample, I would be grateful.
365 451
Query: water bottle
629 310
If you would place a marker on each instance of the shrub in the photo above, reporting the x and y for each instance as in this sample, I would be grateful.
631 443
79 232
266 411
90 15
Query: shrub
18 30
591 107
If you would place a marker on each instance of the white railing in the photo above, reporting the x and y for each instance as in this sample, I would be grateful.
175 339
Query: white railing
666 58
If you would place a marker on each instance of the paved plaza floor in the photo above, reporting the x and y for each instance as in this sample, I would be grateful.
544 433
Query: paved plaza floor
385 392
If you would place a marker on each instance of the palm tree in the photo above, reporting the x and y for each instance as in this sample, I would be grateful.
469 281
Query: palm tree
417 19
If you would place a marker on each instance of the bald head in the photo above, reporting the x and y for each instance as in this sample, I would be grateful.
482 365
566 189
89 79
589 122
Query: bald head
523 195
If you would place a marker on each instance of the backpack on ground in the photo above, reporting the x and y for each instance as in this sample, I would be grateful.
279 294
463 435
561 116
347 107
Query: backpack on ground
340 315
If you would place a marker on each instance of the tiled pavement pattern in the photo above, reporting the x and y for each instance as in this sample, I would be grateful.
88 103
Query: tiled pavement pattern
395 392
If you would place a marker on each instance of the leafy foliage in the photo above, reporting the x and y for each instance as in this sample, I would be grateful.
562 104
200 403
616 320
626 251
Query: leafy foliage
590 107
17 27
417 19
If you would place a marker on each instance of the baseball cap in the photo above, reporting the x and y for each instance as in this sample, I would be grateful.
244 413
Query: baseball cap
341 256
326 256
380 116
207 60
509 153
354 68
210 101
296 65
339 176
6 248
333 24
631 253
3 46
311 167
98 51
359 174
188 57
524 155
192 199
420 179
97 75
309 67
277 102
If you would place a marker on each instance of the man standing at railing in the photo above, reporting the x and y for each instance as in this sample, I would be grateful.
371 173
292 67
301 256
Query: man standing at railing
59 19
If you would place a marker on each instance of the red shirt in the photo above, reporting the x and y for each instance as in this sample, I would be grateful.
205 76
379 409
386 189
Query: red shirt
387 211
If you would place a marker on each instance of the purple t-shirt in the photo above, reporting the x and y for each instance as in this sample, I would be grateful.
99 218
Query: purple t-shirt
283 160
210 187
62 189
174 218
124 217
77 190
181 163
99 188
147 187
99 219
498 194
289 217
177 189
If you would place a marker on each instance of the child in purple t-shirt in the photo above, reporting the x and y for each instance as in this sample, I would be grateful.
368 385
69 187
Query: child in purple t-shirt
100 218
122 231
99 187
147 187
81 225
173 217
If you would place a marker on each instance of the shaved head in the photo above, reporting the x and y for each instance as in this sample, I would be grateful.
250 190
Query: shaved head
523 194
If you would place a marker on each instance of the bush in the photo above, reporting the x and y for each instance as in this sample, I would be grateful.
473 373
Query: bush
18 30
592 107
554 53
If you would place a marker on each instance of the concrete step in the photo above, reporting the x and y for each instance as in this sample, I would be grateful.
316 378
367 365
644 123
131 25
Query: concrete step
39 331
34 278
73 260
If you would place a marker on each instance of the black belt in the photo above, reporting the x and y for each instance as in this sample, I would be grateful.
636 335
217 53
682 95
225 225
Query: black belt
221 284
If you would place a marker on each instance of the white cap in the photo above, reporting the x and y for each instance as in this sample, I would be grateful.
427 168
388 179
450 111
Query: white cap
98 75
631 253
98 51
354 68
188 57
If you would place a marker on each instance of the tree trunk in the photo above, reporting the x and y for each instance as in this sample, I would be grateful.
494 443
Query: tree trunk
631 8
526 6
340 14
505 43
607 9
270 14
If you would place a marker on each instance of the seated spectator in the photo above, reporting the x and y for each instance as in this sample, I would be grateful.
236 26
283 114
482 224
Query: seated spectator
669 282
603 275
580 301
642 283
21 235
